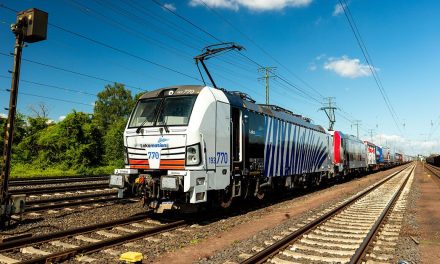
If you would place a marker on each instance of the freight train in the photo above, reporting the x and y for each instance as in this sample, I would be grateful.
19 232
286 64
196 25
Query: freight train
187 146
433 160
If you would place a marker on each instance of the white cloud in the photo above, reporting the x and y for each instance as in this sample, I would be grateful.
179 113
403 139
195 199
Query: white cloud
61 118
170 6
339 9
50 122
256 5
408 147
346 67
3 115
312 66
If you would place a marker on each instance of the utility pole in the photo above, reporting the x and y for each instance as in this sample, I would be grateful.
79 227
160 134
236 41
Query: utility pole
356 123
31 26
329 110
267 75
370 131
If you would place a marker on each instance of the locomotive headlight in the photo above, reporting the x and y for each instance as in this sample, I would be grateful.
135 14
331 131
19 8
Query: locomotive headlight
193 155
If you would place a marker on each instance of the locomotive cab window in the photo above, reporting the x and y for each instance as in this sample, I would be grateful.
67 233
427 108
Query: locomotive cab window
176 111
171 111
145 113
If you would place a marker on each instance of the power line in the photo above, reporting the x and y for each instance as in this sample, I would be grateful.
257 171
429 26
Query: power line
52 98
157 16
185 19
260 48
241 54
113 48
109 20
130 16
51 86
219 40
357 123
87 10
363 48
72 72
124 52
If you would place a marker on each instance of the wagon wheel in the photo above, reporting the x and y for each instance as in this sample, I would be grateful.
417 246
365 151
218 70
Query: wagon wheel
225 197
260 194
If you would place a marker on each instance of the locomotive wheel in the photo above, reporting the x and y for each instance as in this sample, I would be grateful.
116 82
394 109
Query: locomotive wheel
225 197
260 194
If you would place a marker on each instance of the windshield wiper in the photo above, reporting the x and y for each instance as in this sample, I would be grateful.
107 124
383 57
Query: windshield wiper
165 126
156 109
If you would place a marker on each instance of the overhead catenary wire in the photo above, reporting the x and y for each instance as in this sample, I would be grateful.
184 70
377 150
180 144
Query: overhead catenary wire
124 52
261 48
241 54
233 81
87 10
52 98
273 58
303 93
97 42
72 72
79 35
363 48
130 30
51 86
253 61
157 16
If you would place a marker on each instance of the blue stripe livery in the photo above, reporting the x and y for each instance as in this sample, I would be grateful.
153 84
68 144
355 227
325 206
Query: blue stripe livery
290 149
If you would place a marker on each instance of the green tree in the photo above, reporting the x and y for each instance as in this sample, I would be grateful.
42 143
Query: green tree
81 140
114 143
113 104
19 131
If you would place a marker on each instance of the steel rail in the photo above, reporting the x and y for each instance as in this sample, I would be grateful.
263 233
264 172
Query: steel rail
69 198
434 170
21 242
27 182
273 249
44 190
37 208
57 177
67 254
362 250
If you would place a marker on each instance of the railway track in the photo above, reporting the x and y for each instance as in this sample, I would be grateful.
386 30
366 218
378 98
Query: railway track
58 180
362 228
434 170
68 202
63 245
56 189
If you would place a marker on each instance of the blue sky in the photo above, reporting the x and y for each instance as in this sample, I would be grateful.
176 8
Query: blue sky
309 39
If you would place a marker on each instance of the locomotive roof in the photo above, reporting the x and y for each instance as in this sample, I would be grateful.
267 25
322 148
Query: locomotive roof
240 100
179 90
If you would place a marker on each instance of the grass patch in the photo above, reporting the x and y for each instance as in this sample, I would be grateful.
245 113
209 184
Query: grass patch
30 171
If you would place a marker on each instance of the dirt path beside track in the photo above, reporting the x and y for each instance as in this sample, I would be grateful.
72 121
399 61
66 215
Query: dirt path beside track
428 215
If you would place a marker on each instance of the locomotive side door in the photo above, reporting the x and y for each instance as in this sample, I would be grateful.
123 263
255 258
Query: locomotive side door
223 154
236 140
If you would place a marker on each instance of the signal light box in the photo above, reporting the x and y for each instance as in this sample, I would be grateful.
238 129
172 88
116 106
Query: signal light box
34 24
